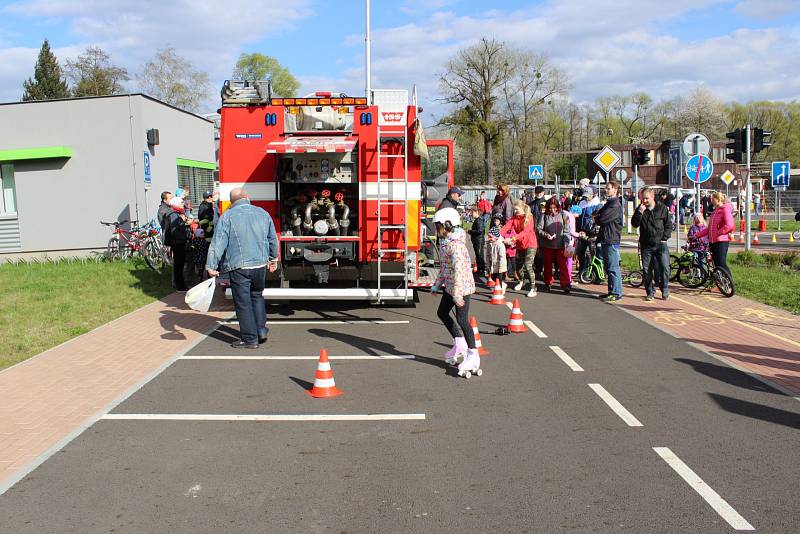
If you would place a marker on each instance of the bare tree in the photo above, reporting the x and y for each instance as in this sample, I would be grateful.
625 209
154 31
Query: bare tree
92 74
473 80
171 78
702 112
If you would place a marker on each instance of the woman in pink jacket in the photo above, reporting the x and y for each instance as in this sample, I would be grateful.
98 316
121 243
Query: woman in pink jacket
720 224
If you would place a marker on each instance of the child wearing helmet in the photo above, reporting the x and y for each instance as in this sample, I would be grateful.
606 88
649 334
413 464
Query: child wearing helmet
457 284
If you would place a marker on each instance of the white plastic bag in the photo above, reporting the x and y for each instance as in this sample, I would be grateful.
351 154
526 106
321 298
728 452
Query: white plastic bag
200 296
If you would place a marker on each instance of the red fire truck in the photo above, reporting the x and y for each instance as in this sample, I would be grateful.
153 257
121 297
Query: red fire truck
341 178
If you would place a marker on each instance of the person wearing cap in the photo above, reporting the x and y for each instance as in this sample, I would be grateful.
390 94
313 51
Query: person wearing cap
537 203
206 215
585 225
452 199
177 236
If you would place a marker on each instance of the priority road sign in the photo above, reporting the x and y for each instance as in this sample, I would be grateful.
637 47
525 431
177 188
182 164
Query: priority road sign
607 159
780 174
727 177
699 168
535 172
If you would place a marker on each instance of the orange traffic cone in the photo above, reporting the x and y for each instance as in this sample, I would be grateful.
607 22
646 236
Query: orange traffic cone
324 386
473 322
755 239
497 295
490 283
741 237
515 323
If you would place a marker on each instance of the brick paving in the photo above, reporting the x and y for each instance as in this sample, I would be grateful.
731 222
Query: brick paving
46 398
760 339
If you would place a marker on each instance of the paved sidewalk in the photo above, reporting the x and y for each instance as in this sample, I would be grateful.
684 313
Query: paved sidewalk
748 335
56 394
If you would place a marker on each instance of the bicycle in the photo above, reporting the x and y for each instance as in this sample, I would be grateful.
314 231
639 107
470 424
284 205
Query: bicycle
595 272
143 241
704 273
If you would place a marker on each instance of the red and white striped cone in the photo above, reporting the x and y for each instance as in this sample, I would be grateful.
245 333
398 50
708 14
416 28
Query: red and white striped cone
324 386
515 323
755 239
497 295
473 322
490 282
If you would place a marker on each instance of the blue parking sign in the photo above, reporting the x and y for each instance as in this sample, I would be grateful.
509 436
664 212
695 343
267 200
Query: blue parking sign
148 178
699 168
780 174
535 172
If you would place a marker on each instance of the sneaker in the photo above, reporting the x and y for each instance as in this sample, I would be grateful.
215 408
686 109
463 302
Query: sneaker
546 287
604 297
612 298
567 290
519 286
532 292
665 296
650 298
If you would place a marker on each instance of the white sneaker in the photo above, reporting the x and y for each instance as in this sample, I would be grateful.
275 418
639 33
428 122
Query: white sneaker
532 292
519 286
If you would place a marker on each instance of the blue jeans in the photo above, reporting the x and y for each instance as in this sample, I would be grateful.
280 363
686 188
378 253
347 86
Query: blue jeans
655 264
610 255
247 287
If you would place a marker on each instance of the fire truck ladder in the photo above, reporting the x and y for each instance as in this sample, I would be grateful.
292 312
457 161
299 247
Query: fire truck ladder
388 196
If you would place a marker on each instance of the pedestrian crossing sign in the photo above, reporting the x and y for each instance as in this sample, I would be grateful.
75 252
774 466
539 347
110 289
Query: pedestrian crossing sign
535 172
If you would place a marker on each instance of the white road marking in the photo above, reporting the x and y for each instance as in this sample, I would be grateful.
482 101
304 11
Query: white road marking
713 499
535 329
359 357
344 321
262 417
509 305
566 358
615 405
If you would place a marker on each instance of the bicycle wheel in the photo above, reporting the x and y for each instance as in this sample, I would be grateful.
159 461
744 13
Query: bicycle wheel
586 276
692 276
674 267
796 234
155 255
636 278
112 248
724 282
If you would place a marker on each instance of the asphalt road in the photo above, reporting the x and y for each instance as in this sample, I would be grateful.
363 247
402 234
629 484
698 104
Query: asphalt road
531 446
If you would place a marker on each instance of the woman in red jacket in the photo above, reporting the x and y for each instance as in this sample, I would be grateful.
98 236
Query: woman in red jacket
520 232
720 224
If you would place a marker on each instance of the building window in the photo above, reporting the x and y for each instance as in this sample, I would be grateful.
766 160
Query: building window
197 181
718 154
8 200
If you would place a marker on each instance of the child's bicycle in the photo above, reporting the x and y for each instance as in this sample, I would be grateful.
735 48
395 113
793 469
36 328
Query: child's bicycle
703 272
595 273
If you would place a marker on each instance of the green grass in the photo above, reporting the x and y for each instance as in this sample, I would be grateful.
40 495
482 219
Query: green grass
789 225
46 304
772 279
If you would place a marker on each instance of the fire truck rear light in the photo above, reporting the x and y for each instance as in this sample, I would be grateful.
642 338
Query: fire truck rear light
361 101
348 101
336 101
300 101
277 101
324 101
326 94
288 101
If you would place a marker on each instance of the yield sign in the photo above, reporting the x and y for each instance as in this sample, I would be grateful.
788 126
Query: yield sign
606 159
598 178
727 177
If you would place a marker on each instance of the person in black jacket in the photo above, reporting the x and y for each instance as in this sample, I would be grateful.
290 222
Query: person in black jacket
163 208
609 220
176 235
654 226
452 199
477 235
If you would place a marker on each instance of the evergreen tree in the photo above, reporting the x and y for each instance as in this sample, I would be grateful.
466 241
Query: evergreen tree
47 83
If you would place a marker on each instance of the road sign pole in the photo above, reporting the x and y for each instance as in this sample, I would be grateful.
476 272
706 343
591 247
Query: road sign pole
748 191
778 208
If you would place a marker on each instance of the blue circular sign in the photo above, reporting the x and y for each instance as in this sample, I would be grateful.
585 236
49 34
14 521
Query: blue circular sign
699 168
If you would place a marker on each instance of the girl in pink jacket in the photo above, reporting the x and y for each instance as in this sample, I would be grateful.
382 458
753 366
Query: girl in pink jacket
720 224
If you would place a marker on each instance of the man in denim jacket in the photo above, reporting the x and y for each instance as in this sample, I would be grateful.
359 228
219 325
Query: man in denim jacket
245 237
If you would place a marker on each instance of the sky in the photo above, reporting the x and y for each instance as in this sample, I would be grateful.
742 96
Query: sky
739 49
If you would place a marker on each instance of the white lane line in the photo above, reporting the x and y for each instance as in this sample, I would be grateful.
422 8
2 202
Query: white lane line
354 321
263 417
535 329
566 358
510 306
713 499
615 405
359 357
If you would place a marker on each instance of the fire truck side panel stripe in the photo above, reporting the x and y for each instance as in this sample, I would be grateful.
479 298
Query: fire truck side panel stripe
390 191
256 190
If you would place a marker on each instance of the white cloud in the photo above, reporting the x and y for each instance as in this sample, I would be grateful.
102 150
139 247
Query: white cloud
767 9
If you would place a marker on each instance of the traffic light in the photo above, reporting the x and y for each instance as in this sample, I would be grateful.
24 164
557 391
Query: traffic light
761 139
738 145
640 156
